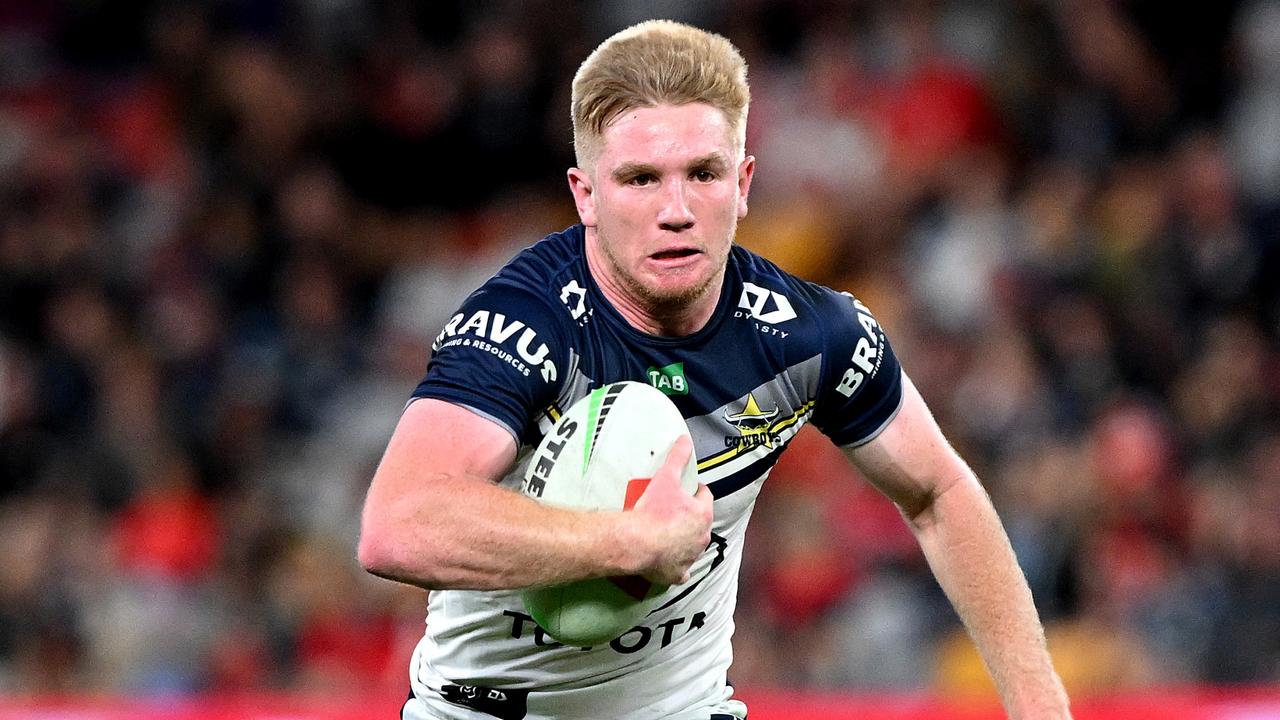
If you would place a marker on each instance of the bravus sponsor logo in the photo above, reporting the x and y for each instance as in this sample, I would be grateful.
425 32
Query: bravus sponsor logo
493 332
866 357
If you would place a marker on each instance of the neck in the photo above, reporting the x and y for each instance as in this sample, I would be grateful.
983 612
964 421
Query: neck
675 319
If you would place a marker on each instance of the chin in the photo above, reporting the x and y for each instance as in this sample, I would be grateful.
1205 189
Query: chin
674 293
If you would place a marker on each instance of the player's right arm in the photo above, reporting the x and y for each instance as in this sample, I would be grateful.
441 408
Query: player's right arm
434 518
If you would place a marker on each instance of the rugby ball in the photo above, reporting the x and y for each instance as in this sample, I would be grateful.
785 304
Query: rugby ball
600 455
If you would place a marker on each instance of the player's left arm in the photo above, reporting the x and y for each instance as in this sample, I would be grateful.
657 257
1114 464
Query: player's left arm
952 517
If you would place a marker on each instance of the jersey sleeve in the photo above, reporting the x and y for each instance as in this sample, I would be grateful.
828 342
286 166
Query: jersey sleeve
501 355
861 387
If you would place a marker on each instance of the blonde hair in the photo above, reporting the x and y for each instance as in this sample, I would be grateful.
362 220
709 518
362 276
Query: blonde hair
657 62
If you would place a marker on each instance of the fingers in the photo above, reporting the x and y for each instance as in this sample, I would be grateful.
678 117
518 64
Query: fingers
680 523
678 455
704 494
673 466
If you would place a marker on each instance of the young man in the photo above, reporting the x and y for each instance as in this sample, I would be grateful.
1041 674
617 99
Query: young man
648 287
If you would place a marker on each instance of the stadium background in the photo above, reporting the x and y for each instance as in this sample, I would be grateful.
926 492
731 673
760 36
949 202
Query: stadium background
230 229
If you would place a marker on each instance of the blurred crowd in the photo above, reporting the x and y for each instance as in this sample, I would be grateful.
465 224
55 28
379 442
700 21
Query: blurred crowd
230 229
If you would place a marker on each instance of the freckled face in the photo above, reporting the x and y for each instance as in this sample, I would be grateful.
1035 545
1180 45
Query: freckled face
664 202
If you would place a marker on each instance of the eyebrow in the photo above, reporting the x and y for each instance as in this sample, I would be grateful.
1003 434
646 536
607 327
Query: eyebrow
713 161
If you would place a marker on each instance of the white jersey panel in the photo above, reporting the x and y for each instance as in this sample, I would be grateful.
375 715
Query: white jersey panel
671 664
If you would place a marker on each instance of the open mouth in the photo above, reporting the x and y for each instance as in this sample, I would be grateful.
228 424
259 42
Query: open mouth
675 254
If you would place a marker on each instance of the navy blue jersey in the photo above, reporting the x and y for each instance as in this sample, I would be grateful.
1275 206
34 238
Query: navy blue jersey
540 335
777 352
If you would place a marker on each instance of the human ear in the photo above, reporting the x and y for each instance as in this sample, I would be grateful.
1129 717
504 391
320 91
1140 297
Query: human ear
583 195
746 170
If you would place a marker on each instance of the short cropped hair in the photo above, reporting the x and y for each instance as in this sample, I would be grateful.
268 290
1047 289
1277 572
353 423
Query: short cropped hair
657 62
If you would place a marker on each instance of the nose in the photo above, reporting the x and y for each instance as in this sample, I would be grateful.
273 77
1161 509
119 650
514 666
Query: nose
675 214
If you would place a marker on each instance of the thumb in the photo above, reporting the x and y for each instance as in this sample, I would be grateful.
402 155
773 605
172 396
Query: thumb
704 494
677 456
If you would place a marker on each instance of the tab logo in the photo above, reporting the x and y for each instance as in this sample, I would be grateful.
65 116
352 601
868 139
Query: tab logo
756 301
669 379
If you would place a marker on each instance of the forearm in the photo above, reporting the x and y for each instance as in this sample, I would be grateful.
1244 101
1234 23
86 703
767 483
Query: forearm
971 557
465 532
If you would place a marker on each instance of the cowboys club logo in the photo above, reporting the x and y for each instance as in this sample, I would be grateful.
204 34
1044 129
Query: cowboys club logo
754 425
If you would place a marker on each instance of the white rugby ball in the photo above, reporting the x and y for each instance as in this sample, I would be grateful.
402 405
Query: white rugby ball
600 455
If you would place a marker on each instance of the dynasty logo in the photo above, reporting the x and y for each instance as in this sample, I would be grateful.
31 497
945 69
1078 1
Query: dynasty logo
574 297
755 426
765 308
